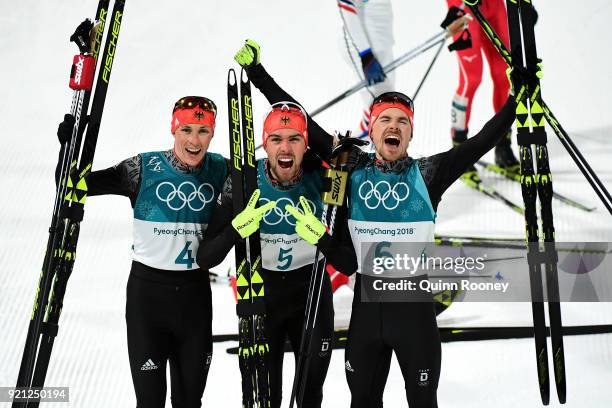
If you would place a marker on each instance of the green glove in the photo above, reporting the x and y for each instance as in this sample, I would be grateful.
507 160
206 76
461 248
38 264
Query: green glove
248 55
247 222
307 226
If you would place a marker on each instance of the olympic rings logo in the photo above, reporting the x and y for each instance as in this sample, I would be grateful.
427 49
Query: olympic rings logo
383 193
176 198
277 214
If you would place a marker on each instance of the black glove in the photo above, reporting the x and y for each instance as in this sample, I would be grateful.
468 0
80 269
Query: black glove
453 14
81 35
520 77
64 130
349 144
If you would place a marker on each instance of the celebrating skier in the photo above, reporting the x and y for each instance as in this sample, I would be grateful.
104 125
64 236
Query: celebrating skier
286 209
375 330
168 308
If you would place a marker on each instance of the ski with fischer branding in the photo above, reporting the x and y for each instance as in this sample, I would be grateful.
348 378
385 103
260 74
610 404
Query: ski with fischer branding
530 129
74 168
531 113
253 346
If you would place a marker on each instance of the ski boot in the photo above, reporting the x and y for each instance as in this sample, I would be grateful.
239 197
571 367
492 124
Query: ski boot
470 176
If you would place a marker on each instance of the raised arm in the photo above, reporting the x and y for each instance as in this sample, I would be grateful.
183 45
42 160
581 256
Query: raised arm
248 57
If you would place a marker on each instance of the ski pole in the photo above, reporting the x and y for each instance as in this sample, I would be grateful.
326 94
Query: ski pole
416 93
338 176
439 38
420 49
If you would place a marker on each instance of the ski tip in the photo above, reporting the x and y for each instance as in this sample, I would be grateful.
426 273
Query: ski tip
231 77
244 77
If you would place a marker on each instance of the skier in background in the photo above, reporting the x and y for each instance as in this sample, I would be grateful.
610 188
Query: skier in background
290 176
169 305
470 75
367 46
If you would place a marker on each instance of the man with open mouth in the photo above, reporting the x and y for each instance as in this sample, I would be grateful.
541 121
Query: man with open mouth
290 176
169 304
390 189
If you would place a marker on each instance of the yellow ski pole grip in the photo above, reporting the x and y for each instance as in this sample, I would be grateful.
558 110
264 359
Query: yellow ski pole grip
335 180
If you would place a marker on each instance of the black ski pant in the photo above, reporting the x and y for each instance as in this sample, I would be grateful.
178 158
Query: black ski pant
379 328
169 319
286 294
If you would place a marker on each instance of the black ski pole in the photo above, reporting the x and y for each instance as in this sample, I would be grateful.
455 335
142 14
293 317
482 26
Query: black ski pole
583 164
332 199
413 53
416 93
410 55
439 38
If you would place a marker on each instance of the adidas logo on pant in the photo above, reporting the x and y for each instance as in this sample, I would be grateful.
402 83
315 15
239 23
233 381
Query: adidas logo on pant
148 365
348 367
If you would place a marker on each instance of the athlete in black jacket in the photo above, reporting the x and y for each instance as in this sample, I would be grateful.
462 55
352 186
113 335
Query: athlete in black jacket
390 189
288 174
168 300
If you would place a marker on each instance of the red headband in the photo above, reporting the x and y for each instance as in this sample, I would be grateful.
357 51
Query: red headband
283 118
194 116
379 107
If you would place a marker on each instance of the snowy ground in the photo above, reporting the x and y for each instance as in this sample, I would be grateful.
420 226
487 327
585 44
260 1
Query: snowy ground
168 51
